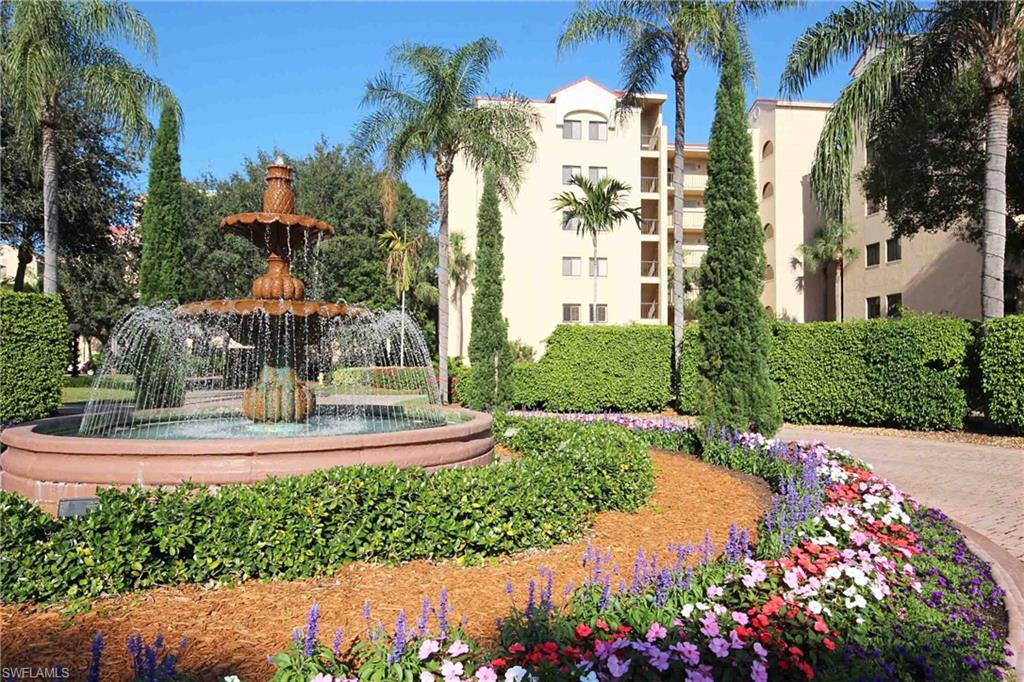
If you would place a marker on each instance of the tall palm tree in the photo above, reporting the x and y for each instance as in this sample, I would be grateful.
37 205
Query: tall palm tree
911 50
599 210
461 267
653 32
402 255
428 110
56 48
829 250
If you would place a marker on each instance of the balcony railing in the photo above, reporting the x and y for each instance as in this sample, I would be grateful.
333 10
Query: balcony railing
648 226
650 141
691 179
648 268
649 183
649 310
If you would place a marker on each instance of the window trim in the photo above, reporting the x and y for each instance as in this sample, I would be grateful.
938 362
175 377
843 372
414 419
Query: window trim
867 307
601 125
594 307
593 267
572 260
570 306
590 173
867 257
579 128
566 180
889 305
899 249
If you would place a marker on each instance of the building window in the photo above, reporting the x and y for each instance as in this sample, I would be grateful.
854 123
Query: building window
874 307
569 172
598 130
769 232
598 312
873 254
893 250
571 266
769 273
894 305
767 149
597 174
692 166
572 130
570 312
871 207
767 191
569 223
693 203
599 267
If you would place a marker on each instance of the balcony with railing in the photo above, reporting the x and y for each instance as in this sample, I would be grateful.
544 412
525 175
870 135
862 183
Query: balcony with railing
648 226
649 183
648 268
692 180
650 139
649 310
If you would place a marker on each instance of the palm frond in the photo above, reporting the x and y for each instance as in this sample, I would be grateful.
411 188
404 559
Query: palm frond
860 26
117 21
498 134
127 94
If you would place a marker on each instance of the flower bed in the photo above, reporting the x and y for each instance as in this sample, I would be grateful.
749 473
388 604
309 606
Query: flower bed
849 579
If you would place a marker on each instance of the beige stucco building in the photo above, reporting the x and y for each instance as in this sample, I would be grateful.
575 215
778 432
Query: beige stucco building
549 275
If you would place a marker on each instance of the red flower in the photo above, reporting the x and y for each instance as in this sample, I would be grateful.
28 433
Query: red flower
624 629
499 663
571 652
583 631
795 651
829 644
516 648
819 626
601 625
806 669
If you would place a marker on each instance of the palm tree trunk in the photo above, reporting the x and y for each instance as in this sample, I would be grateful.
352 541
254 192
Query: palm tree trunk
461 326
51 229
993 242
443 170
842 289
680 65
593 276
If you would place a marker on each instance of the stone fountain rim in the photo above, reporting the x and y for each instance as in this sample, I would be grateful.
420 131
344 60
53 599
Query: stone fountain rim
26 439
269 218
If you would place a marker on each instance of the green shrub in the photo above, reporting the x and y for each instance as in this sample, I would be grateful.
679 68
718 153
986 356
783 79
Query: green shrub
33 355
910 373
310 525
689 377
602 368
1002 372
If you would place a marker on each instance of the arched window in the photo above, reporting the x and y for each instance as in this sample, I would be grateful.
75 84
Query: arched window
767 191
767 149
769 273
769 231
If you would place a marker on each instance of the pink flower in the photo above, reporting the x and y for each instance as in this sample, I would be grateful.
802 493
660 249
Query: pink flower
740 618
715 591
427 677
486 674
687 652
429 646
709 625
616 667
758 673
457 648
719 647
655 632
760 650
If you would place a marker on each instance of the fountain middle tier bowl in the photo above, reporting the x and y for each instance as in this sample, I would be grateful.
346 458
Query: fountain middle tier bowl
274 307
48 461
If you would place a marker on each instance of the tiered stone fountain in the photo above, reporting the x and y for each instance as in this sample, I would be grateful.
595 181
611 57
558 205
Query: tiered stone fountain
233 391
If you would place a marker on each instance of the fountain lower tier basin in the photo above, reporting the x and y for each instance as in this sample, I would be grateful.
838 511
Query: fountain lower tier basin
47 467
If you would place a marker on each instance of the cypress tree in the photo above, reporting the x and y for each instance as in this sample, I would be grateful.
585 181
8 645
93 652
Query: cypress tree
162 217
490 354
734 327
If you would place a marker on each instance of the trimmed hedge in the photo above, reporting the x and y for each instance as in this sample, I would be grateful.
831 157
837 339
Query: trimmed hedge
593 369
33 355
1002 372
310 525
908 373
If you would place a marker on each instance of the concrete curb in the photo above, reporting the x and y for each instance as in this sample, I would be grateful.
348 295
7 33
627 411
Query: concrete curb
1008 573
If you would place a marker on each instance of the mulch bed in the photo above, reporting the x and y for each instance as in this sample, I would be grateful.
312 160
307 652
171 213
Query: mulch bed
231 630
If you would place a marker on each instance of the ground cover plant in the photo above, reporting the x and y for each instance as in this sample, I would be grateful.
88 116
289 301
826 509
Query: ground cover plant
849 578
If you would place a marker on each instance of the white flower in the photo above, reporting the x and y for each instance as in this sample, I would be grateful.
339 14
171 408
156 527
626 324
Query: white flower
589 677
702 606
231 678
687 610
515 674
427 677
832 572
814 607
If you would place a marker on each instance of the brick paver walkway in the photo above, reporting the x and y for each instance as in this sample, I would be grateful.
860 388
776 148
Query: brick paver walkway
980 486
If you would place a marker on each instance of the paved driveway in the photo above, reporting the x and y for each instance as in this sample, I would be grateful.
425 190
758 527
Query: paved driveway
980 486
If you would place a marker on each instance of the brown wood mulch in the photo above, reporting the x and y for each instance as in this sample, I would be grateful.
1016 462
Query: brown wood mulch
231 630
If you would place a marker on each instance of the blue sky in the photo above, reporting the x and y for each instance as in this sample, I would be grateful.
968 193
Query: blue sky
256 75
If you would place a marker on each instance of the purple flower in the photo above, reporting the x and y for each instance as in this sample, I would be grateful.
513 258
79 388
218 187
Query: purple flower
616 667
94 662
719 647
655 632
687 652
309 642
339 634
